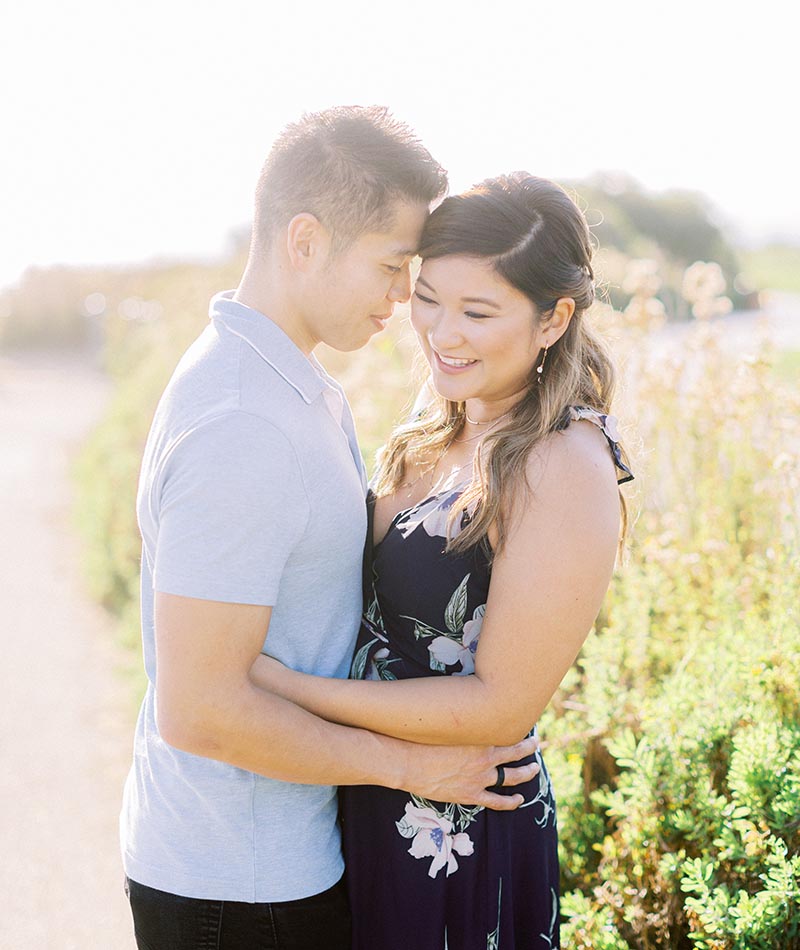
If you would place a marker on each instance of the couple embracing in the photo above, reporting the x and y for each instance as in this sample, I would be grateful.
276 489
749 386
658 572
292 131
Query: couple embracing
280 672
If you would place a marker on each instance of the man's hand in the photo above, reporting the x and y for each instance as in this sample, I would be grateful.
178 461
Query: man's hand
465 774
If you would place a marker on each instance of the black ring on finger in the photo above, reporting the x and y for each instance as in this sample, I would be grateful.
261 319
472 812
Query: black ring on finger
501 777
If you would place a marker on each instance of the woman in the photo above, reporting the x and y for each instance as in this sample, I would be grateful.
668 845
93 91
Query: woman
495 528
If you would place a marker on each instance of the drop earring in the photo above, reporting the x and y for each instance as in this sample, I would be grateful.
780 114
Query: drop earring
540 367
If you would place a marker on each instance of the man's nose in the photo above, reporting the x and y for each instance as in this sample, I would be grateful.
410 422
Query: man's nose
400 290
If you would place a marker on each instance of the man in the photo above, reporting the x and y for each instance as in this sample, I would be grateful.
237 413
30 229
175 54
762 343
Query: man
251 509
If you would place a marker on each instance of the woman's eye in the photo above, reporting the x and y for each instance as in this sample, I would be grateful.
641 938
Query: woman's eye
419 296
476 316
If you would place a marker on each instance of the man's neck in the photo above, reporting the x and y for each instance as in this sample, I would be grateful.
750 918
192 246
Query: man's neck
264 290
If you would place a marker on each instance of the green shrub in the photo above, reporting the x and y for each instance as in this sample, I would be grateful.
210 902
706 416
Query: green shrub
675 742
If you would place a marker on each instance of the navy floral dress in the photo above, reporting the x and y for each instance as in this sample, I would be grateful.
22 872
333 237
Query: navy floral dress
425 875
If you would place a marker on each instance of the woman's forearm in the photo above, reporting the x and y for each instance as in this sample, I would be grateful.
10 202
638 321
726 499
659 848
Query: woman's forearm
439 710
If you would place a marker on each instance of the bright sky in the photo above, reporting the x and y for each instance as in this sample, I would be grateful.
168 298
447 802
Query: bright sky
138 130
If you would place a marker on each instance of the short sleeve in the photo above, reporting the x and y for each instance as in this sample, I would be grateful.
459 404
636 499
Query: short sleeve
232 506
608 425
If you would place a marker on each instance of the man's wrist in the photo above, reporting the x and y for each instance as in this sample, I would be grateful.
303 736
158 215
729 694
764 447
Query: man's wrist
393 760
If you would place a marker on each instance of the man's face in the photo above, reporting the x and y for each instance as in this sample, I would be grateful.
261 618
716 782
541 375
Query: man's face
354 293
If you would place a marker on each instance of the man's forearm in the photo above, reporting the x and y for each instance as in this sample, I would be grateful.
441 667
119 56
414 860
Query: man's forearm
263 733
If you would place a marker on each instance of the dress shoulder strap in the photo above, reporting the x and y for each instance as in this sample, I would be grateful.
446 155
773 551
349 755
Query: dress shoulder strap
608 426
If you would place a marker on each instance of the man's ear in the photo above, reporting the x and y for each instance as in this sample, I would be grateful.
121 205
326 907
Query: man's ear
308 241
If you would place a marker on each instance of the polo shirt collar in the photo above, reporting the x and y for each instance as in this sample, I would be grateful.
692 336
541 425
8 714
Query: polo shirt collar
270 342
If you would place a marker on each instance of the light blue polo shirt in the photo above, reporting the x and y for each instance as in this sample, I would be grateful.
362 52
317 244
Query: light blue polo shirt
251 491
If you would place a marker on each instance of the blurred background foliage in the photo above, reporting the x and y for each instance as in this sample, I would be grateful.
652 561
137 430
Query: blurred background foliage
674 741
58 305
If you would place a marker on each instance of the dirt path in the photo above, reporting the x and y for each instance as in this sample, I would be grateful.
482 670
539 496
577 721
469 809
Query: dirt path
66 719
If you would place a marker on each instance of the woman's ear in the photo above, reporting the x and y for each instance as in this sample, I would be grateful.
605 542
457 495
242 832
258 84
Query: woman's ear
559 319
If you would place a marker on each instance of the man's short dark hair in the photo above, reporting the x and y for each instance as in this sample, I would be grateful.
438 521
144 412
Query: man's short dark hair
346 166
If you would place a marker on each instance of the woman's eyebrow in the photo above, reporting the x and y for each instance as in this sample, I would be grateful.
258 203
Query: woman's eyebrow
483 300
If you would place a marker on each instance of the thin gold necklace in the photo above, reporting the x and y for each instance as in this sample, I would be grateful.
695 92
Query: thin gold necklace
475 422
493 422
429 472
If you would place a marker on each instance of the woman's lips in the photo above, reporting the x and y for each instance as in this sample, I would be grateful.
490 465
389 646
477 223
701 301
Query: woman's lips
450 368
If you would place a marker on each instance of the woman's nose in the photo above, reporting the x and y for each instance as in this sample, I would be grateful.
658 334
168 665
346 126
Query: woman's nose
444 333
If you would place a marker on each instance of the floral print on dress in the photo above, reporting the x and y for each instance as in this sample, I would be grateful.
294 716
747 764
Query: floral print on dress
447 651
544 796
432 513
457 643
433 837
553 932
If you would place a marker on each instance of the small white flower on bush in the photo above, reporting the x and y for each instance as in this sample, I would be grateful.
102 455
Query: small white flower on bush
433 838
642 278
448 651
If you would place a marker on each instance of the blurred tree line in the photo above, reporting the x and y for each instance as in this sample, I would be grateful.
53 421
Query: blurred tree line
671 228
67 306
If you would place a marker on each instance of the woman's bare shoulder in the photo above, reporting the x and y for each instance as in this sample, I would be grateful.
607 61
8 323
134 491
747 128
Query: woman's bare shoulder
578 456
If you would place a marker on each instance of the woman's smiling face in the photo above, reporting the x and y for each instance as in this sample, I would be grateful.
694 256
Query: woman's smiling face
481 336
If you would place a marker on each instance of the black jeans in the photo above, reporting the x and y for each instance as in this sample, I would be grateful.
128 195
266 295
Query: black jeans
165 921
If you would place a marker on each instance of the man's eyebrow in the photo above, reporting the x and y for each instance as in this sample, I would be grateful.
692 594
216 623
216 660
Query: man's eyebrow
483 300
403 252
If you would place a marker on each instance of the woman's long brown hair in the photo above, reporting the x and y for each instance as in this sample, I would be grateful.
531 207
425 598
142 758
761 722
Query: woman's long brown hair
538 240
